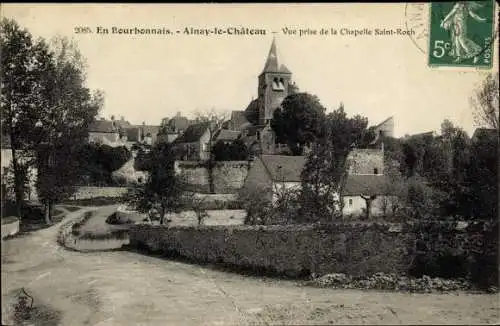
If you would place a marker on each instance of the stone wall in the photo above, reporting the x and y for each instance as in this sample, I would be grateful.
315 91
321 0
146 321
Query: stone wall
365 161
95 192
10 226
228 176
355 249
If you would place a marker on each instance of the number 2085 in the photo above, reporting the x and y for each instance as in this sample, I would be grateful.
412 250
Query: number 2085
82 30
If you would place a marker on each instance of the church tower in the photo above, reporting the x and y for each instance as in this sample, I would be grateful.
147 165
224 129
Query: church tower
274 85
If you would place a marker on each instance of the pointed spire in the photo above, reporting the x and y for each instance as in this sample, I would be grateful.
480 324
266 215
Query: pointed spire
272 59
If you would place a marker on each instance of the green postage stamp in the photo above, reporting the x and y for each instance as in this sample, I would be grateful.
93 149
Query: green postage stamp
461 34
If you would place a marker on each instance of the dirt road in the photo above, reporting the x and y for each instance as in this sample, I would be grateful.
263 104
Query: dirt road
124 288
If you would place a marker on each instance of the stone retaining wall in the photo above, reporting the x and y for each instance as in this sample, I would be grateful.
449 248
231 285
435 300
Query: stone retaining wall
99 192
355 249
10 228
70 241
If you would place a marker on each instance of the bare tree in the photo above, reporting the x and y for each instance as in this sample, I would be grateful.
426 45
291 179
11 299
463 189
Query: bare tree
485 102
214 120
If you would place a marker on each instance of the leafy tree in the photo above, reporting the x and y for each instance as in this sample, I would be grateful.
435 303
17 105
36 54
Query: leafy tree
221 151
257 206
299 121
234 151
485 102
163 190
24 64
482 177
325 172
422 200
67 109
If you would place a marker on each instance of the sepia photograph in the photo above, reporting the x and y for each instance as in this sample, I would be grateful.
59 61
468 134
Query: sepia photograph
250 164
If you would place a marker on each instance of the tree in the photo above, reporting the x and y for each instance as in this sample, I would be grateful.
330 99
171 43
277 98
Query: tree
163 190
325 172
24 65
214 121
482 177
299 121
257 206
234 151
62 127
485 102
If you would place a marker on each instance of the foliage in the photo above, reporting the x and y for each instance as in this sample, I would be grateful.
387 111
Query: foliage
299 121
43 92
257 206
24 63
163 191
482 178
233 151
98 162
422 200
325 172
485 102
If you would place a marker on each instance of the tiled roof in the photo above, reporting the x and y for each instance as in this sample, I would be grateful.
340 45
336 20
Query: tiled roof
284 168
102 126
367 185
252 111
123 124
238 119
193 133
226 134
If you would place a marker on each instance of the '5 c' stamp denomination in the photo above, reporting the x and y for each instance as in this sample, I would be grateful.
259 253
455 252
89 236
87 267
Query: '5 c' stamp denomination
461 34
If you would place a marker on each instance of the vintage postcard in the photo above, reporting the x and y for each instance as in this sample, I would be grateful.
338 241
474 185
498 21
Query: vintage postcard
249 164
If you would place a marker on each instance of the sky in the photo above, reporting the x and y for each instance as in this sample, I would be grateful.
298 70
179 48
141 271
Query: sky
148 77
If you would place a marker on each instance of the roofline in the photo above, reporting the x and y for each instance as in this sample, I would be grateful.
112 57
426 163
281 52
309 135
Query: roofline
267 169
391 117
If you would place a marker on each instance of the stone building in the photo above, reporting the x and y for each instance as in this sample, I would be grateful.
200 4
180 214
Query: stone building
273 84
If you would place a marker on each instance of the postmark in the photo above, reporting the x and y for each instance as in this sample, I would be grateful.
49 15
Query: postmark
455 34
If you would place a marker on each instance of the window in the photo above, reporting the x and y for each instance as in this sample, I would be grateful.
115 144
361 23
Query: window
205 147
350 202
375 171
278 84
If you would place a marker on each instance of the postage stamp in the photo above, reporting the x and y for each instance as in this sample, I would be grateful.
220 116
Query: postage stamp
461 34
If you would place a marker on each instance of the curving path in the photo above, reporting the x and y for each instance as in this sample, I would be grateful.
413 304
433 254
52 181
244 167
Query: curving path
125 288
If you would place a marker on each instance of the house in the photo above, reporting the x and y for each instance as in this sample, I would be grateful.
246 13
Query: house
172 128
193 144
105 132
360 188
227 136
272 174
